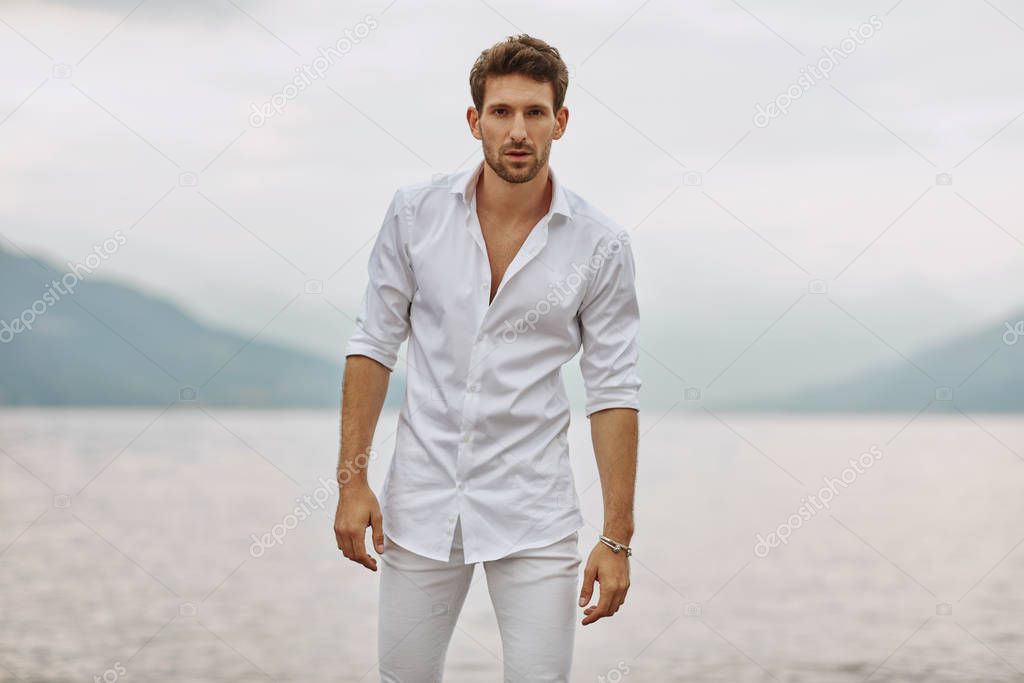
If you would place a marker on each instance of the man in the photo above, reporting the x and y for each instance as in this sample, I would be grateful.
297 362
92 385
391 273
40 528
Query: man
497 275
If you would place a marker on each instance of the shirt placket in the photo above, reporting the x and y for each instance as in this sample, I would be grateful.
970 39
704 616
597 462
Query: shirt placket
471 388
482 346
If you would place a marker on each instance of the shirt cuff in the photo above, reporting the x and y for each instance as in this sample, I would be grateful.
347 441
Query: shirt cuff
614 397
384 356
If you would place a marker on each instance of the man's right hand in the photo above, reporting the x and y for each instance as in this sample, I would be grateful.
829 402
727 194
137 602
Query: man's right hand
357 509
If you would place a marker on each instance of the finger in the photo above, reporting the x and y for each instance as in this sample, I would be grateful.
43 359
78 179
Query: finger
588 584
614 598
359 551
622 597
603 606
616 602
377 522
345 542
595 614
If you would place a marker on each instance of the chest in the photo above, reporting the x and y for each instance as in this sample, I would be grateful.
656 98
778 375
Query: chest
481 276
503 242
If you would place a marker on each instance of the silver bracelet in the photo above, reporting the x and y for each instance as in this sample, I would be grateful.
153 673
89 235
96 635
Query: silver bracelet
615 545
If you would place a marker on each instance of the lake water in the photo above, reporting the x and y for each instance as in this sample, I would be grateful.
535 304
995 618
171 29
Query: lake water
126 551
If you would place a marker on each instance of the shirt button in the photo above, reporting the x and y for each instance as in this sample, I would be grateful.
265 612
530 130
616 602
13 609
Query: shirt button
484 285
474 387
460 486
481 337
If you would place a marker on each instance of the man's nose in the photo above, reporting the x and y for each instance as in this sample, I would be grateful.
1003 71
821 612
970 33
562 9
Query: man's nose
518 132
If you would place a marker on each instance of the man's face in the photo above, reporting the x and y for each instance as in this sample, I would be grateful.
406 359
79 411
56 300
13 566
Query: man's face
516 125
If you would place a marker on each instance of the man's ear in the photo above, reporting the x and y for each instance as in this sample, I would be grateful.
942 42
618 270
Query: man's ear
473 119
561 121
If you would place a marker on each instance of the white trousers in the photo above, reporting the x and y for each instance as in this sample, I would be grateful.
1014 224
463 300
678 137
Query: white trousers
534 593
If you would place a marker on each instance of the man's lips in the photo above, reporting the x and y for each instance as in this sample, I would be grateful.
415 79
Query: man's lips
518 153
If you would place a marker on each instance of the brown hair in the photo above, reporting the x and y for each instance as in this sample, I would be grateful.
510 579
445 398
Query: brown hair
521 54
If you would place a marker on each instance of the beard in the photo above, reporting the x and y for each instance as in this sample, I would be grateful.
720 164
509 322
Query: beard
512 172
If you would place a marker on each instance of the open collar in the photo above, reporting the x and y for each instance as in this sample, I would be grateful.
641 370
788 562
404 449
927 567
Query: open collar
464 184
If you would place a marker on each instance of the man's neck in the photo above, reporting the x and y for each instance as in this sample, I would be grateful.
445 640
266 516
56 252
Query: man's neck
513 202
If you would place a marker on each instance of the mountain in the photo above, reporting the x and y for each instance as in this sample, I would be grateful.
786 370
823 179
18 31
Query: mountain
105 343
982 371
110 344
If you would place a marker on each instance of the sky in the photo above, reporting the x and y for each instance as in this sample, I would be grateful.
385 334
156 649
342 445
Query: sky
878 213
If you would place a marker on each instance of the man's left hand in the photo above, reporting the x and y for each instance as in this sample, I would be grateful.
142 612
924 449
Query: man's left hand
611 570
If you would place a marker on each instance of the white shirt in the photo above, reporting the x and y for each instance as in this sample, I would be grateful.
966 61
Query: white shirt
482 431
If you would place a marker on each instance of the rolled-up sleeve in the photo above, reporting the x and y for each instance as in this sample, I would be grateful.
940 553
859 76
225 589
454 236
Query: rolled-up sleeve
382 323
609 319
